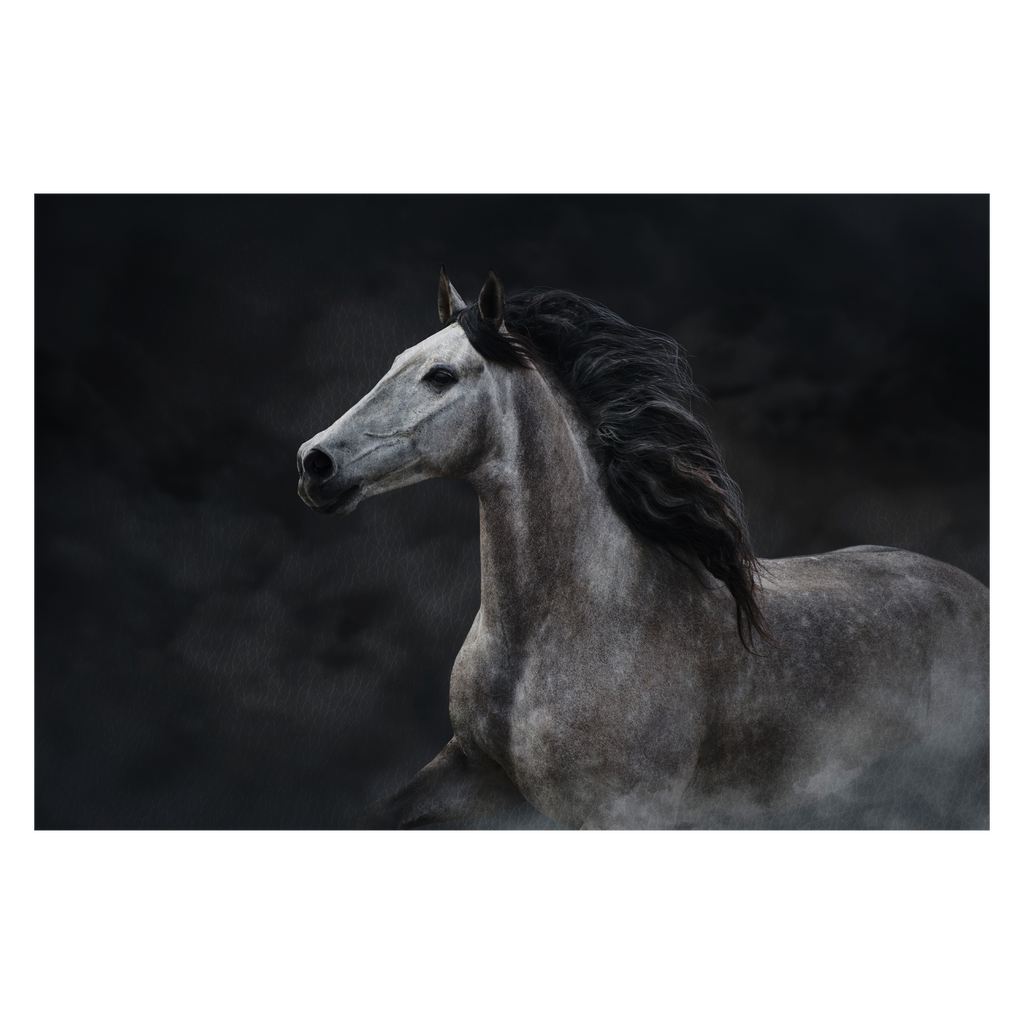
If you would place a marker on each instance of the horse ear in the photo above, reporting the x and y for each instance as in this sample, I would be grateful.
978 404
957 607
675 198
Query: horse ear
492 299
448 299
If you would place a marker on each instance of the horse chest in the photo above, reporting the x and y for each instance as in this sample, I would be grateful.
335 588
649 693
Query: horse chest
480 698
571 731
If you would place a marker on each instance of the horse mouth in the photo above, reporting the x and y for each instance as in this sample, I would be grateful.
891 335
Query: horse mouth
333 507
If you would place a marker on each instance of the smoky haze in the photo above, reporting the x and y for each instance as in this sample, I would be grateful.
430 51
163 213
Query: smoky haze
210 653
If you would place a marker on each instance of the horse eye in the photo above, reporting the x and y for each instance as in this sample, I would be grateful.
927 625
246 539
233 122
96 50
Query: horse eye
441 375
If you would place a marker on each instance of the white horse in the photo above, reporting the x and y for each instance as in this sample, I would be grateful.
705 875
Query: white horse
632 664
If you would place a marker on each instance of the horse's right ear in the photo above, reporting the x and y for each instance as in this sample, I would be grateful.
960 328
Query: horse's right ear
492 300
448 299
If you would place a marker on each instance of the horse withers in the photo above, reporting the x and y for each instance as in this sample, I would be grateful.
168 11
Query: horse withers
632 663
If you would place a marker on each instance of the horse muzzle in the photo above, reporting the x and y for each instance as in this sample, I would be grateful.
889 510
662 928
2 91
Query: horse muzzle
323 486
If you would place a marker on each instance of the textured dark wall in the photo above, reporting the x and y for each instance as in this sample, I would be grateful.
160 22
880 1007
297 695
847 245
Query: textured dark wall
212 654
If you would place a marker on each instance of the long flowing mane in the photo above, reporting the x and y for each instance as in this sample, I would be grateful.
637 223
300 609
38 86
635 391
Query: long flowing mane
662 469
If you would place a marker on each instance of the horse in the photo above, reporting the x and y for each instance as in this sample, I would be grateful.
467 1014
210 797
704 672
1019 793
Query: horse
633 664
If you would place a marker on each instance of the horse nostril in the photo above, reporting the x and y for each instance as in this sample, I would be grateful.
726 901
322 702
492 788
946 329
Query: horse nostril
316 463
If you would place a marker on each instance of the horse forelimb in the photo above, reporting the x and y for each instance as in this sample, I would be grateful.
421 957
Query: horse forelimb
454 785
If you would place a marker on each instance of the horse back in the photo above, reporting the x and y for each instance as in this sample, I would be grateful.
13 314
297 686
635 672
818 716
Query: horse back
917 625
875 649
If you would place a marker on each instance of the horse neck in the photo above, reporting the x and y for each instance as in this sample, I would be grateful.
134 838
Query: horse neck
548 532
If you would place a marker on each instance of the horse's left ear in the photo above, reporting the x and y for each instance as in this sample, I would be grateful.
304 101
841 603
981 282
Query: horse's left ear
448 299
492 300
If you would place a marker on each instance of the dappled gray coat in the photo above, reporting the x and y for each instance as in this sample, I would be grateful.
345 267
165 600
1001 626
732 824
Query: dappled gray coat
632 664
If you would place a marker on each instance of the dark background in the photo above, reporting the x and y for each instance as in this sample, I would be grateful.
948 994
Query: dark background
212 654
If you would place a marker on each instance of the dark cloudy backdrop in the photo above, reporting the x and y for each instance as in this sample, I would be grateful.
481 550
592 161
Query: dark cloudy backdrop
212 654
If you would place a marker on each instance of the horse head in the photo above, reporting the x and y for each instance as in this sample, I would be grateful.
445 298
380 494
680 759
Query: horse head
427 416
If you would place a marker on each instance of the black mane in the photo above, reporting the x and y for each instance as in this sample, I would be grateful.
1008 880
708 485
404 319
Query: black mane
662 469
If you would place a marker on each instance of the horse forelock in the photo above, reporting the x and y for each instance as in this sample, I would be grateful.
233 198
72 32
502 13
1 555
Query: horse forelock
662 469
